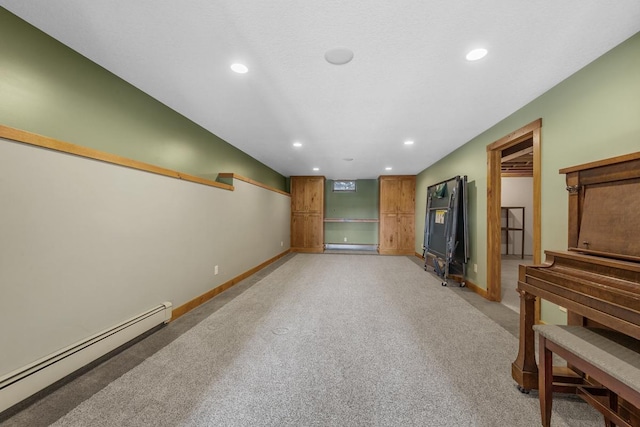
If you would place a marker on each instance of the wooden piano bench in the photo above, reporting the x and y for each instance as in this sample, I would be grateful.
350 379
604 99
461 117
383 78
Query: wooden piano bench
615 364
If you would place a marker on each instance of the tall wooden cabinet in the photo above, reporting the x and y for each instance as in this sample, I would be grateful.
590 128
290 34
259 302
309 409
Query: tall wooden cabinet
307 213
397 215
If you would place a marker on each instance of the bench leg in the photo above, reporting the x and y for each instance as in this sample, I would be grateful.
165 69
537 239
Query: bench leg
545 381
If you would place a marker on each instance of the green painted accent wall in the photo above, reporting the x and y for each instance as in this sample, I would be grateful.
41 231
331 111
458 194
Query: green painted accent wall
49 89
363 204
592 115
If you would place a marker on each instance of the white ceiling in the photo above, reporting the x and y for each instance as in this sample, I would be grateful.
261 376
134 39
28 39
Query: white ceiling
408 80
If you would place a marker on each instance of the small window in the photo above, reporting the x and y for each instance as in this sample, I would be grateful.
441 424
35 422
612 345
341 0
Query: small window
344 185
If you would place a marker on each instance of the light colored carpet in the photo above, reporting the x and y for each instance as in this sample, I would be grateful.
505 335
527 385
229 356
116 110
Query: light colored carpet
332 340
509 279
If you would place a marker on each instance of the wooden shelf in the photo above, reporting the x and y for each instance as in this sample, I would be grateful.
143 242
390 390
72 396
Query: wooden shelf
351 220
507 210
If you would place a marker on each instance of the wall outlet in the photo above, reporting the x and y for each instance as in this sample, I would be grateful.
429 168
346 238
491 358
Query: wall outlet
281 244
475 268
215 270
345 239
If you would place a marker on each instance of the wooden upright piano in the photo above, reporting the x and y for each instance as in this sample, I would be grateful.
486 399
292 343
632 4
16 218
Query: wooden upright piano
598 278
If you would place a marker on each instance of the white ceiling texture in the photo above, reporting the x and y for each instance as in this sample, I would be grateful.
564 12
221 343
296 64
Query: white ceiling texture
408 80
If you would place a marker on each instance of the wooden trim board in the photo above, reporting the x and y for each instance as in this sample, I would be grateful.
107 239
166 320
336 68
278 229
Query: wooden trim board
349 220
251 181
604 162
477 289
190 305
469 284
89 153
516 136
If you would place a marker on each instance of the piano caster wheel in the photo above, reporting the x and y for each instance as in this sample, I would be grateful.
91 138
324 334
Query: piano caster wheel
463 284
523 390
444 283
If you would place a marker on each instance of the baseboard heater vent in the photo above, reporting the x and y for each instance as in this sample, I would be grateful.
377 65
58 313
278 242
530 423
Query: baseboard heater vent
28 380
350 247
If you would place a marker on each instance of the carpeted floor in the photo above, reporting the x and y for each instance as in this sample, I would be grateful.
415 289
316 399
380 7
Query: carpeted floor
509 279
331 340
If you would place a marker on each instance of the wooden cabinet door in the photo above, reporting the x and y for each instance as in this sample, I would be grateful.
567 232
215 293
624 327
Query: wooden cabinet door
314 231
407 195
388 232
298 221
298 190
314 192
389 190
397 214
307 194
406 233
307 231
307 213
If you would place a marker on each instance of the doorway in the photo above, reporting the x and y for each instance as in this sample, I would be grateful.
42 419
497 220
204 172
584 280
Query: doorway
510 145
516 207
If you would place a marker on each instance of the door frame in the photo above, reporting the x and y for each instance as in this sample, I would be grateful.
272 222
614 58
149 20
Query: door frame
494 191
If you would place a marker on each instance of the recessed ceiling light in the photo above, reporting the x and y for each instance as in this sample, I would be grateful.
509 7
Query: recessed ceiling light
408 143
388 168
297 144
339 56
316 169
476 54
239 68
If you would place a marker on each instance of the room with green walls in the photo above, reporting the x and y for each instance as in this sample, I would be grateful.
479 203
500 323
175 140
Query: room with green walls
592 115
48 89
361 204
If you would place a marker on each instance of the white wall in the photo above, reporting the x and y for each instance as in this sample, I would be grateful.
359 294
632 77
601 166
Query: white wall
86 244
518 192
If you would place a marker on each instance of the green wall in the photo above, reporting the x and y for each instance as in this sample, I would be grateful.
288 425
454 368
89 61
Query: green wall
49 89
592 115
363 204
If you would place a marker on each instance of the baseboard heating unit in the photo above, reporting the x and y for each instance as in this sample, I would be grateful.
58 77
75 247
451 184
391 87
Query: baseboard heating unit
28 380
